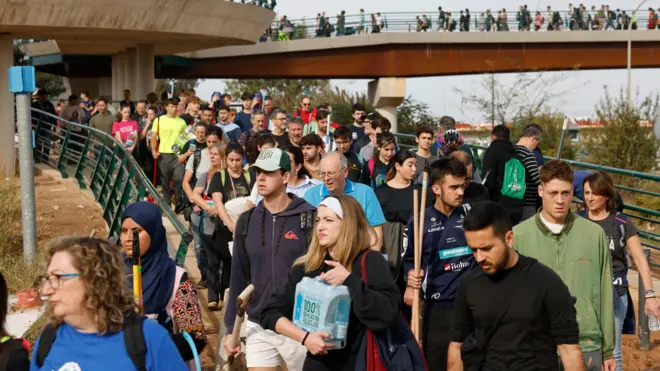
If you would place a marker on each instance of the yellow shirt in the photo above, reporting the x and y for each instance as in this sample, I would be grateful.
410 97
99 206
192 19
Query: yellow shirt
168 130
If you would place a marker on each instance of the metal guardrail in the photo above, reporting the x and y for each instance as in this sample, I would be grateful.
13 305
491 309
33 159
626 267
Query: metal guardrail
99 163
408 22
632 211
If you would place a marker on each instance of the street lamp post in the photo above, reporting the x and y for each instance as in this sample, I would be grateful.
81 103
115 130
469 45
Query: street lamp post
629 49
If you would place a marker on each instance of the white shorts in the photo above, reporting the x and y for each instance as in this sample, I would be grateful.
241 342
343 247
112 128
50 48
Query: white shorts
265 348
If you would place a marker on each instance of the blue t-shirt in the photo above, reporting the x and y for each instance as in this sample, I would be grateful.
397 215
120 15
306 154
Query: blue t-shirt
362 193
76 351
244 121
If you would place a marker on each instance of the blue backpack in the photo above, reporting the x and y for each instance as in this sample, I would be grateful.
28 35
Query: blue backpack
391 349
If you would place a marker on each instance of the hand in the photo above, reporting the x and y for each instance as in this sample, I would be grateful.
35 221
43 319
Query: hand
337 275
190 152
409 296
255 101
155 155
609 365
315 343
231 226
196 209
653 306
212 211
231 351
415 282
215 98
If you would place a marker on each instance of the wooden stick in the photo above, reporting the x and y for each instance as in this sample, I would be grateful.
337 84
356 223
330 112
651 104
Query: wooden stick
419 237
415 311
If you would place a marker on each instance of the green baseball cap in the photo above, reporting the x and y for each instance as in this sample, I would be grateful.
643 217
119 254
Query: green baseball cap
273 159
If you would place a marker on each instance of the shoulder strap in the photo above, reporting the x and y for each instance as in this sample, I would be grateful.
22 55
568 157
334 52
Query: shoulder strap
223 177
371 164
360 159
45 343
248 177
134 341
242 226
363 266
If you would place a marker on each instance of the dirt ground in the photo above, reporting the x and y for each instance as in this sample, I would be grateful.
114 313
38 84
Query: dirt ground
636 360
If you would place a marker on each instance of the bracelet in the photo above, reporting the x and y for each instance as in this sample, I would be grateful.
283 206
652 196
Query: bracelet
305 338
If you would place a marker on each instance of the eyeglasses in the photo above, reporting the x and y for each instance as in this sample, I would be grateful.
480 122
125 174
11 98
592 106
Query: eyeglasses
306 104
329 175
55 280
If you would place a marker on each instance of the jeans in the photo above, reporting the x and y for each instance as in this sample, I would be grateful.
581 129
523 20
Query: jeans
200 251
620 309
167 162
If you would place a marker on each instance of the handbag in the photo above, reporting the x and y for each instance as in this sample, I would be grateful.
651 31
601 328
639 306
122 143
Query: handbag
392 349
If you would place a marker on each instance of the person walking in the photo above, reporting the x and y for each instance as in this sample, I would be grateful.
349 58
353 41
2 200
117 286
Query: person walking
165 132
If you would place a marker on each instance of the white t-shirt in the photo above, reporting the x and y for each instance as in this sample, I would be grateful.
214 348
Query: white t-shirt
204 163
299 191
553 227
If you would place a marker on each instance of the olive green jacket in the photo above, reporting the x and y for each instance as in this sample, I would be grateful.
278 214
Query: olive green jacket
580 256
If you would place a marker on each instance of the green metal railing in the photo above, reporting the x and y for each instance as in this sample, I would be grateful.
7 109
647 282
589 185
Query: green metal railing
101 164
304 28
650 239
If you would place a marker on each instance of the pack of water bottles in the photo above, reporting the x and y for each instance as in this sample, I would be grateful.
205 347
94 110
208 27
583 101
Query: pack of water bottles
322 307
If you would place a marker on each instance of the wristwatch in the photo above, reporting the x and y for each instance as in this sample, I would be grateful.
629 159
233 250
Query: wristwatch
649 294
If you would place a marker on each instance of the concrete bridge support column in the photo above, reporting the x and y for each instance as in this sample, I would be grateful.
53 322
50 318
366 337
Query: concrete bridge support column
7 122
105 87
145 71
117 77
131 71
385 95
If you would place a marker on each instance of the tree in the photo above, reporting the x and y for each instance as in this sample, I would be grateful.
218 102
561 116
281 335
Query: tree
163 85
552 128
411 114
528 95
52 83
624 142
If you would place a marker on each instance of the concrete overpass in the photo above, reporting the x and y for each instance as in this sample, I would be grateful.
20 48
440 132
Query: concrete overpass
127 33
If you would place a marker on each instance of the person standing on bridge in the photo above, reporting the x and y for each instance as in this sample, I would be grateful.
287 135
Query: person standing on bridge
600 198
446 258
165 132
577 250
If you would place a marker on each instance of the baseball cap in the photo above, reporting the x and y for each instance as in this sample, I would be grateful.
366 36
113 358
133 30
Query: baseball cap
273 159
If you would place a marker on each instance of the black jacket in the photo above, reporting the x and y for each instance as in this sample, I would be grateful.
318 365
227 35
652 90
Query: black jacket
374 306
496 156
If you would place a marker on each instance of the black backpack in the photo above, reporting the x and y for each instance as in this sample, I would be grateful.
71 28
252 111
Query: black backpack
7 349
133 340
243 223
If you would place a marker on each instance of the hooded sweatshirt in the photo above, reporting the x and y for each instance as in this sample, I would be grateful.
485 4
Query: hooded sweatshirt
273 242
495 158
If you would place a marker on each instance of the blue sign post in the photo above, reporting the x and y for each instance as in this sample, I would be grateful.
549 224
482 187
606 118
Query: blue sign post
22 83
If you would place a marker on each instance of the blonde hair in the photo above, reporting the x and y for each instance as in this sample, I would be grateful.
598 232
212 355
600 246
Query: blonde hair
103 272
222 151
354 238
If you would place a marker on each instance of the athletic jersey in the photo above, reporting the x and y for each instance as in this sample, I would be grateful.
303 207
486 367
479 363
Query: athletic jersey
446 256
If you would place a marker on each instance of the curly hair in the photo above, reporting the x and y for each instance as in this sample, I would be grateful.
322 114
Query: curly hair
107 298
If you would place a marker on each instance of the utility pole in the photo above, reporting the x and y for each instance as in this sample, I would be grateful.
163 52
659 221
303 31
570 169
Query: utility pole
492 100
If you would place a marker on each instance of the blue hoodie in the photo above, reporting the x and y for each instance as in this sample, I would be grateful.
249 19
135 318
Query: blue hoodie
274 242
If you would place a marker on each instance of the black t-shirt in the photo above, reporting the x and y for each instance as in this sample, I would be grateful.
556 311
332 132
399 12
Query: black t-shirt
354 166
617 239
232 187
198 146
282 140
539 315
475 193
190 119
379 175
397 203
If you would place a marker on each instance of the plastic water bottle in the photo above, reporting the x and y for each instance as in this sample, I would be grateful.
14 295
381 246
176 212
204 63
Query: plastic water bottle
130 140
322 307
654 322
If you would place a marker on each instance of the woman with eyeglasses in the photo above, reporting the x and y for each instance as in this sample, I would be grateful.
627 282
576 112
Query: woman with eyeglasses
342 238
92 317
13 352
168 296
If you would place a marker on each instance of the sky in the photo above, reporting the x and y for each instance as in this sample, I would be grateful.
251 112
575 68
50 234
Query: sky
585 88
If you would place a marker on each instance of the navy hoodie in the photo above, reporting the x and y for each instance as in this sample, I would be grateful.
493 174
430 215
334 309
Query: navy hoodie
269 261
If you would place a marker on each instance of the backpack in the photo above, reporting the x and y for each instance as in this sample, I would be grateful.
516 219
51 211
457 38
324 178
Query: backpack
371 164
393 348
243 224
513 183
8 346
133 340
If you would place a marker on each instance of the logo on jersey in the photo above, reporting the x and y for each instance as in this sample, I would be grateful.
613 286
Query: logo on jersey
455 252
456 267
290 235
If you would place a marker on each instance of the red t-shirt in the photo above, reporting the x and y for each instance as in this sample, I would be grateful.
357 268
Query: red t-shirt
125 128
307 117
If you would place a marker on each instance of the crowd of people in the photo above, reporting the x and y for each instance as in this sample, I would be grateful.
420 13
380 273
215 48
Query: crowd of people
511 276
573 18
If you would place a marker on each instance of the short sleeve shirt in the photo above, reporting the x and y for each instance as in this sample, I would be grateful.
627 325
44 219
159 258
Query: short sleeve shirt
168 130
232 187
362 193
125 128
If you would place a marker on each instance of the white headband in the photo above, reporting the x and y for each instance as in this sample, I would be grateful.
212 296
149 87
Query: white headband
334 205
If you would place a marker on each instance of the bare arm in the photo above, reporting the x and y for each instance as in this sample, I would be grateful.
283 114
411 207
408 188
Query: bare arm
187 188
222 212
454 361
571 357
154 144
634 246
143 133
288 329
135 142
118 137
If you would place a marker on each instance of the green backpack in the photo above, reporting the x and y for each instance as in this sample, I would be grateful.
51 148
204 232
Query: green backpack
513 184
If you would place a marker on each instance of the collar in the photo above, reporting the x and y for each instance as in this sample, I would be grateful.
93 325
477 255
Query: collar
568 225
305 183
350 188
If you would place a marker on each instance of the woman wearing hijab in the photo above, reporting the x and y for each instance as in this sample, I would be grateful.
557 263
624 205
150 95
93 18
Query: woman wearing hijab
168 296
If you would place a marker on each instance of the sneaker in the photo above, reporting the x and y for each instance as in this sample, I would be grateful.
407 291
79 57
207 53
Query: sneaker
213 305
202 284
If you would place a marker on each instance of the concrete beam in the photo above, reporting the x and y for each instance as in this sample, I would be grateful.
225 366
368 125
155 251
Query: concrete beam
385 94
7 122
145 70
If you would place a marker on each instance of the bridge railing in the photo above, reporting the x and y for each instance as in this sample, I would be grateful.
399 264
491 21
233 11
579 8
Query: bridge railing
408 22
647 220
101 164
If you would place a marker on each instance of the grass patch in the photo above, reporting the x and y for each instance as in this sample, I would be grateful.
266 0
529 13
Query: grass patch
18 274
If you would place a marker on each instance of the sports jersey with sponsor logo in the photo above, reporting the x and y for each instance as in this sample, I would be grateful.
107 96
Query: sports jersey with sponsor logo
446 257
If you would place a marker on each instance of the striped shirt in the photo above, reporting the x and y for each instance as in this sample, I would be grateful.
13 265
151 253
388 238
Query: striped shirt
532 178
